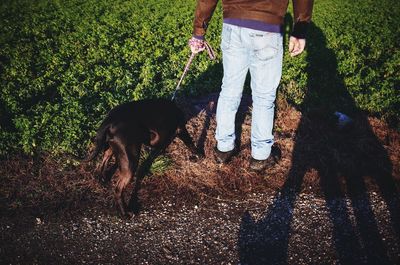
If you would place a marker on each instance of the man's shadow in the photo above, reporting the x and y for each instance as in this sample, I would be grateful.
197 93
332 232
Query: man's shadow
348 159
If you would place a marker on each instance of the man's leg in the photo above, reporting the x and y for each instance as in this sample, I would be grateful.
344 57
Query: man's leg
236 65
265 70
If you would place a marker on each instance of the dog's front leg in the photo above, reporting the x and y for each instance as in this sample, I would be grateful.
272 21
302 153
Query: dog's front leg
134 203
184 135
123 180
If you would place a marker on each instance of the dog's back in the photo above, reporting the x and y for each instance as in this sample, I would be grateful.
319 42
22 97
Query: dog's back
137 119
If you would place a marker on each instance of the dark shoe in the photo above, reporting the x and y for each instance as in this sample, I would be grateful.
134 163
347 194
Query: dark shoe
223 157
261 165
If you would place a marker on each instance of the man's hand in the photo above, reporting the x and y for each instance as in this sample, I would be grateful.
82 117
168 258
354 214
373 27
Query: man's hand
196 45
296 46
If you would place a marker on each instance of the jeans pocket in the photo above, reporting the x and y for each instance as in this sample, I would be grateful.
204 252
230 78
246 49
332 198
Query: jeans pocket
226 36
265 45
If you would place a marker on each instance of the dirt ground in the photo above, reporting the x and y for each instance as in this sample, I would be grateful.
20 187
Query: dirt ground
332 199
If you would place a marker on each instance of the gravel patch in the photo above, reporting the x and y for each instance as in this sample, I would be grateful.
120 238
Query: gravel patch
261 228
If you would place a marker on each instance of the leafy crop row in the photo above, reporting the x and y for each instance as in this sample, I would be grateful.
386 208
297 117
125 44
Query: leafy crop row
64 64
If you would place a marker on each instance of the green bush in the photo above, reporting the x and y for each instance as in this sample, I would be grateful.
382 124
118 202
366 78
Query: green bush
64 64
357 42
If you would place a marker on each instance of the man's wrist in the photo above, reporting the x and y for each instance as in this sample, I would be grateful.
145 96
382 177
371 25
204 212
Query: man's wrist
300 30
198 37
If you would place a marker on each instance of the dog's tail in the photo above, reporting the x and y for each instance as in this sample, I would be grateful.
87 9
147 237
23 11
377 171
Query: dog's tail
100 141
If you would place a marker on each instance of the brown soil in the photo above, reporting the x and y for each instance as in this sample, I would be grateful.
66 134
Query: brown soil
333 198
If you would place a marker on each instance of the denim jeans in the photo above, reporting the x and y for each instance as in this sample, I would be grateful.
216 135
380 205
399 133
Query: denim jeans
260 53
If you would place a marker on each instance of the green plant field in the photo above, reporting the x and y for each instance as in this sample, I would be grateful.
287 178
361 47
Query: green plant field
64 64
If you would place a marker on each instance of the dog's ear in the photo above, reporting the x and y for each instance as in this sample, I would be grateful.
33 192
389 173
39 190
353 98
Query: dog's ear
154 137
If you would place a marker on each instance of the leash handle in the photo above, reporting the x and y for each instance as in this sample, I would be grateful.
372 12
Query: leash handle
212 56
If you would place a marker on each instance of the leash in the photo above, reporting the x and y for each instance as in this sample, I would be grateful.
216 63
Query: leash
212 56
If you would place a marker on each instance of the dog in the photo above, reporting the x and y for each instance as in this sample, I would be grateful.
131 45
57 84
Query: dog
150 122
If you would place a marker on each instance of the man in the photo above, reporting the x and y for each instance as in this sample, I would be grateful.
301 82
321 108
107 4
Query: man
251 41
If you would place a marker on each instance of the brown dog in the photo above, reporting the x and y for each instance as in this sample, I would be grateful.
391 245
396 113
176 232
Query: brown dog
152 122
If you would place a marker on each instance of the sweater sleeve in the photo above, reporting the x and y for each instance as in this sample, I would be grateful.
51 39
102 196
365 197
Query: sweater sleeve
202 16
302 10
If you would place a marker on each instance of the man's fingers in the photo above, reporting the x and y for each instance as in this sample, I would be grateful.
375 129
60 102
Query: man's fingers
296 46
302 45
291 44
295 49
195 49
301 49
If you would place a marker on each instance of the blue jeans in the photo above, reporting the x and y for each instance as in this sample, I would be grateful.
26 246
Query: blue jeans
260 52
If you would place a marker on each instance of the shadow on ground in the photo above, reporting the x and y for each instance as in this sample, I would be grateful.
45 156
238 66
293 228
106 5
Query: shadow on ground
347 159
